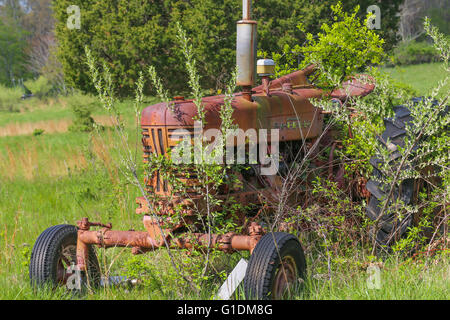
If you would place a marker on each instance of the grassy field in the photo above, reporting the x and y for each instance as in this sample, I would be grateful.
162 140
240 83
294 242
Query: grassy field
59 177
423 77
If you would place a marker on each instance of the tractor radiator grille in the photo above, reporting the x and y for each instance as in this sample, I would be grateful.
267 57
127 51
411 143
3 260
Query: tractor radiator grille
160 141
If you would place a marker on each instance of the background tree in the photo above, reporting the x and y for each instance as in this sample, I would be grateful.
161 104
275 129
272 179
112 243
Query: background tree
127 35
27 37
11 10
389 17
12 43
413 12
39 22
12 54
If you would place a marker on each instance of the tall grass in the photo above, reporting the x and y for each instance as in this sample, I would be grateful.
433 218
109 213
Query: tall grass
10 98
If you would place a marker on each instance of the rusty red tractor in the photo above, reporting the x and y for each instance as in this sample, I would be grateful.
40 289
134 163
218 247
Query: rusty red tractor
277 259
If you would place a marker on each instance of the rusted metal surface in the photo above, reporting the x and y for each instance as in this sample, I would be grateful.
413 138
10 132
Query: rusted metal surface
68 253
285 276
357 86
266 85
141 241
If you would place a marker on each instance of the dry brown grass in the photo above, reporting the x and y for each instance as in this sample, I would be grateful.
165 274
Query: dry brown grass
31 161
50 126
34 159
20 129
102 149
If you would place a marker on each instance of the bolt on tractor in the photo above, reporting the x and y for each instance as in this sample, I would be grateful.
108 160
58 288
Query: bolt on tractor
277 259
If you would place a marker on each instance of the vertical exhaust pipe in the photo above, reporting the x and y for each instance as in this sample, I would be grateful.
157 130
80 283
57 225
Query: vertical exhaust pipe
246 9
246 47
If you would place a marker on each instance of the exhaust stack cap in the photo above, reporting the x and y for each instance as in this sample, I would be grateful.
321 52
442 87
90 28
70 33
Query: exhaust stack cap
265 67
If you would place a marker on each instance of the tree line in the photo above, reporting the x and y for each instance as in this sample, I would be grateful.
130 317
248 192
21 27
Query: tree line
129 35
26 39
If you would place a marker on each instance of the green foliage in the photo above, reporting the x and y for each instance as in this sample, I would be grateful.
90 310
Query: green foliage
280 30
415 53
127 35
52 71
342 48
53 201
12 53
82 108
10 98
425 145
441 42
40 87
139 267
404 88
25 252
389 18
38 132
368 122
440 19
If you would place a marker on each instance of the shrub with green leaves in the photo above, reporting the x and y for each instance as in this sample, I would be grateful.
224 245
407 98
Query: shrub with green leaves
422 155
40 87
82 108
415 53
343 48
10 98
412 159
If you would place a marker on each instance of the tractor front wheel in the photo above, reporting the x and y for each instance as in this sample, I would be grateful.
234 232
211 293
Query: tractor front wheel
54 252
275 266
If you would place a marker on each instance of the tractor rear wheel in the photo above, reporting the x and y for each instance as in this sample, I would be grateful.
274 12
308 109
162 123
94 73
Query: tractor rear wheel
54 253
275 266
390 227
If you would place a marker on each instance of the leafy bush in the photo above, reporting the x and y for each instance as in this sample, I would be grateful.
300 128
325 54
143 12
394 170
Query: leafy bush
82 107
340 49
331 50
421 155
440 19
343 48
415 53
10 98
38 132
40 87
